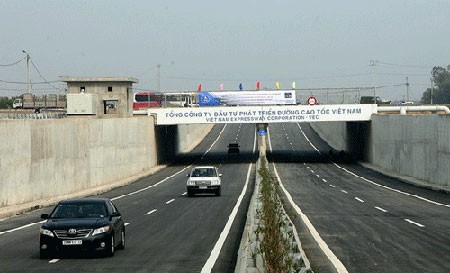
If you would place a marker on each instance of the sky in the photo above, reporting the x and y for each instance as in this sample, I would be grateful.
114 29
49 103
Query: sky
316 44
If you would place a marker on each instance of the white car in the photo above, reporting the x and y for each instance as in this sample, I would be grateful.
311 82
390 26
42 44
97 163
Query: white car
204 179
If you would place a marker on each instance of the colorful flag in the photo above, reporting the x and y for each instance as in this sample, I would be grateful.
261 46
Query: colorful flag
277 84
258 85
199 88
221 86
240 86
293 85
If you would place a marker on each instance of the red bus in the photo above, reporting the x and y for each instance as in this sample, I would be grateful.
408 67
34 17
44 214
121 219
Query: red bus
145 100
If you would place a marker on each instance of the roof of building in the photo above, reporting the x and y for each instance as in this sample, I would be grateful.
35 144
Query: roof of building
99 79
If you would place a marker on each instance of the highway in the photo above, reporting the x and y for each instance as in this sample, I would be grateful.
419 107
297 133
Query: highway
165 230
364 221
369 222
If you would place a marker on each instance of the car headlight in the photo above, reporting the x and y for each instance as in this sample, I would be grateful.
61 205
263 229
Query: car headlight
191 183
47 232
101 230
215 182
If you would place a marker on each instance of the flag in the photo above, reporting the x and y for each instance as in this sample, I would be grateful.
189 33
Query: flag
221 86
240 86
199 88
277 84
258 85
293 85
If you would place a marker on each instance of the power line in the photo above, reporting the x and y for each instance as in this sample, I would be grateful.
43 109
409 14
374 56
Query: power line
405 65
13 82
42 76
14 62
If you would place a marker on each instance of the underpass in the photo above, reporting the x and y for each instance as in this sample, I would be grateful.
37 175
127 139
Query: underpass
369 222
165 197
166 230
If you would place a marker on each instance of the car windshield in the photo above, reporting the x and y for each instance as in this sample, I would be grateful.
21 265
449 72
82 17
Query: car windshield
204 172
86 210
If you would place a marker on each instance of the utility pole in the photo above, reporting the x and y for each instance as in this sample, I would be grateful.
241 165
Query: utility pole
432 89
158 78
28 68
407 89
372 64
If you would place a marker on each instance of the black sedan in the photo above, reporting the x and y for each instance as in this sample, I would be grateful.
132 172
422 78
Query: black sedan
91 224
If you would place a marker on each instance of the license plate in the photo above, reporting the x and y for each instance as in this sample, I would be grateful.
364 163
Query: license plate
203 187
72 242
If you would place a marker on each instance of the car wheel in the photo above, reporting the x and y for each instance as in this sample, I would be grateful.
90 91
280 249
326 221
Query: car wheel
45 254
218 192
109 251
122 240
190 193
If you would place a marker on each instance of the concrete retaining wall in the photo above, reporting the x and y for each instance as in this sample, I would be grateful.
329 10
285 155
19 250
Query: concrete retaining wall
44 159
415 146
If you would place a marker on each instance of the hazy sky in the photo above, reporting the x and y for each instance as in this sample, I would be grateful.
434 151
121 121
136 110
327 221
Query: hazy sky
317 44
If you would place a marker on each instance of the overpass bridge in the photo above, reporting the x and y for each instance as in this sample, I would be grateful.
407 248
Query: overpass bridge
257 114
263 114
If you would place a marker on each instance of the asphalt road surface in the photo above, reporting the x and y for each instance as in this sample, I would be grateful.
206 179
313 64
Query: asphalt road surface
166 231
364 221
369 222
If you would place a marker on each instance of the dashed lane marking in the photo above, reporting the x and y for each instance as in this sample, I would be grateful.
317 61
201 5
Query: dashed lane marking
359 199
414 223
152 211
170 201
381 209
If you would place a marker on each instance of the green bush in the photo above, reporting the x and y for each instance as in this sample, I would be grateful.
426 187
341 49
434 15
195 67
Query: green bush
275 247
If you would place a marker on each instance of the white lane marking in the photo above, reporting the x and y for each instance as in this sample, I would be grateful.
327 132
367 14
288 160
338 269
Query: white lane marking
1 232
370 181
307 139
395 190
217 139
318 176
170 201
359 199
331 256
331 185
414 223
349 172
312 171
381 209
159 182
427 200
324 180
184 193
344 191
118 197
152 211
322 244
126 224
22 227
223 235
53 261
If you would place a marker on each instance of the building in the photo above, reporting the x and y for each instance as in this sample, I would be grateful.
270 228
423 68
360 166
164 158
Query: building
100 97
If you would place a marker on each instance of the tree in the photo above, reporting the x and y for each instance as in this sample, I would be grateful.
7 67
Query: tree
5 103
441 92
